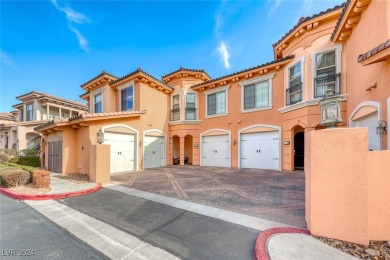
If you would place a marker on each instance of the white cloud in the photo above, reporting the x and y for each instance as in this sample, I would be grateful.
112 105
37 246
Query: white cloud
81 39
224 55
6 59
274 7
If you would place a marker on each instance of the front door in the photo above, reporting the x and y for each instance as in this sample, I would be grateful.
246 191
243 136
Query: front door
299 151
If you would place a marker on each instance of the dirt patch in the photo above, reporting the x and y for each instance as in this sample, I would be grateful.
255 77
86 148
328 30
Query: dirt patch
375 250
29 189
74 177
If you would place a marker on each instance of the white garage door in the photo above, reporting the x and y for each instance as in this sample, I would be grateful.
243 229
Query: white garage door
216 151
154 154
260 150
122 151
371 122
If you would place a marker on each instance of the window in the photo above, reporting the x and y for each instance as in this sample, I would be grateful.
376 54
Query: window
216 103
98 103
190 106
21 115
175 112
256 95
29 112
294 90
127 99
326 77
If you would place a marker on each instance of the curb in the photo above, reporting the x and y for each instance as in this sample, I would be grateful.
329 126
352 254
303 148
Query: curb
261 251
23 196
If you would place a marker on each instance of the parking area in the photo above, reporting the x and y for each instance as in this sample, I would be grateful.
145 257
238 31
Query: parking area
272 195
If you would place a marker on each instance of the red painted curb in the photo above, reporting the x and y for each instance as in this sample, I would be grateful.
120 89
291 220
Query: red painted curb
261 252
23 196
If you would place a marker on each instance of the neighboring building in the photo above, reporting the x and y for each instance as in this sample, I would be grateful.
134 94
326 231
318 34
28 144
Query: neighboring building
254 118
17 127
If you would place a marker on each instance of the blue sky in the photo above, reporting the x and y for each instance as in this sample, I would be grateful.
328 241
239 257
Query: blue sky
55 46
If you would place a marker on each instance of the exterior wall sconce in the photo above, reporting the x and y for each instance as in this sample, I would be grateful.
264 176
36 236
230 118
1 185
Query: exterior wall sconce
381 128
196 145
286 142
100 136
234 141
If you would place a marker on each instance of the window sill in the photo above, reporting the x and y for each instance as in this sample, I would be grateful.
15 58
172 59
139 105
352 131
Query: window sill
218 115
185 122
256 109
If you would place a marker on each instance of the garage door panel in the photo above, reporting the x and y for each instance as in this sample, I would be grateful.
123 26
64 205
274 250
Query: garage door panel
260 150
370 122
216 151
122 153
154 153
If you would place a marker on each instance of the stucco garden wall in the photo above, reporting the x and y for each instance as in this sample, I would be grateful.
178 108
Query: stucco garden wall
347 196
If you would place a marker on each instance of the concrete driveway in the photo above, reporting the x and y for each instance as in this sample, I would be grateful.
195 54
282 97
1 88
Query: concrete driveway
271 195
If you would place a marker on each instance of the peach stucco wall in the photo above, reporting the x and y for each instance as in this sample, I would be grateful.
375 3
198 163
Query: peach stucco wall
374 28
344 197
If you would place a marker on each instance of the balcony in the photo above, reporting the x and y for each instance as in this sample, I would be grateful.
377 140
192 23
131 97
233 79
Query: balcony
294 94
323 84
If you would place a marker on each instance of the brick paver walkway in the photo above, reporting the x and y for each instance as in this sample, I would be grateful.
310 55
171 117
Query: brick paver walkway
272 195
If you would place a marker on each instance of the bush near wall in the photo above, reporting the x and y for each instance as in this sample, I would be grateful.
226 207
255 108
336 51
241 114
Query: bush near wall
10 152
27 161
15 177
41 179
4 157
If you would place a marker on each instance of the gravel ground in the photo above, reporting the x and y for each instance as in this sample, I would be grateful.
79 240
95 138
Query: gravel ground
29 189
75 177
375 250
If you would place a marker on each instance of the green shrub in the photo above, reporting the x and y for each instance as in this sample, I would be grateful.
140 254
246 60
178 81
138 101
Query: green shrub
15 177
4 157
10 152
29 152
27 161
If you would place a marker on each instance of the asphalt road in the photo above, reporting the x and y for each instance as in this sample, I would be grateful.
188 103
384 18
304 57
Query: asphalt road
26 234
184 234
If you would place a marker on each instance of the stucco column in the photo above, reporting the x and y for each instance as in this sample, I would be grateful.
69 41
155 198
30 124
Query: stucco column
60 113
70 113
24 113
170 152
47 112
181 150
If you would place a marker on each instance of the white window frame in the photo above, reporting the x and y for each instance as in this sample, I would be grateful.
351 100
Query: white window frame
287 78
338 51
122 87
217 90
243 84
196 105
93 94
172 95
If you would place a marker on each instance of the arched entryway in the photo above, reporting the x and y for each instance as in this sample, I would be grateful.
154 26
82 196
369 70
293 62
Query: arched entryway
188 149
299 148
176 149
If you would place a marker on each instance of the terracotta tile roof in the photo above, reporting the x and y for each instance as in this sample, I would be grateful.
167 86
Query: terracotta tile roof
245 70
7 116
101 74
43 95
185 69
139 70
345 7
374 51
305 19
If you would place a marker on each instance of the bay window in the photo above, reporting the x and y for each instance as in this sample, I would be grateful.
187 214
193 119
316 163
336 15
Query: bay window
190 106
175 112
294 89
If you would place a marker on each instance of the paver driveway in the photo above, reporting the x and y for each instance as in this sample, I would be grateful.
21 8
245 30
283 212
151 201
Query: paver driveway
272 195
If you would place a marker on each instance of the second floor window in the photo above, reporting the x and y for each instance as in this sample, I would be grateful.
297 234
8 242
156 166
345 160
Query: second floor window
29 112
21 115
256 95
98 106
216 103
175 112
325 74
127 98
294 90
190 106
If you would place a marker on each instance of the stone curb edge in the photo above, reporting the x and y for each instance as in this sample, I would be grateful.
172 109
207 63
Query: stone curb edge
23 196
261 252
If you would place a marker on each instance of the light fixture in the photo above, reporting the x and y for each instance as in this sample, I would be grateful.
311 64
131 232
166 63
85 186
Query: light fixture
234 141
100 136
381 128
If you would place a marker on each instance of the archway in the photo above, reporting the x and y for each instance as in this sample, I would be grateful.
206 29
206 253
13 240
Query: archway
188 149
176 149
299 148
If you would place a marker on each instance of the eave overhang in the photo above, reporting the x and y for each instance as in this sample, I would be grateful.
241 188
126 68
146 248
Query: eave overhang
102 79
186 73
377 54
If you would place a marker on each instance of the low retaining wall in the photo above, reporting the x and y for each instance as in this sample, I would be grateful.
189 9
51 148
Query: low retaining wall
347 186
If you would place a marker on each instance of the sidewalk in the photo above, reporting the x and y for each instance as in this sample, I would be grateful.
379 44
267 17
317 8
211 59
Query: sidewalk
60 189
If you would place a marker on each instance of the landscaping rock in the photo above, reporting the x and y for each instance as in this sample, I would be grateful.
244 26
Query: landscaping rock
372 252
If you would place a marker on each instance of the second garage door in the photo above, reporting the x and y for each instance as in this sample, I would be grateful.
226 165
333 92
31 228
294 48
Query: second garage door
216 151
122 151
154 151
260 150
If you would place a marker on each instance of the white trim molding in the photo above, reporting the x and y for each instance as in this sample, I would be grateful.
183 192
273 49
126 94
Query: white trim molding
212 130
217 90
277 128
136 139
165 145
245 83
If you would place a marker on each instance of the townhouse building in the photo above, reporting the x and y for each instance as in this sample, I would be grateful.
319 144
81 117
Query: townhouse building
254 118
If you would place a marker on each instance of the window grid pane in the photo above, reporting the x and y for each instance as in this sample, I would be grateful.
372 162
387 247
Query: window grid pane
256 95
98 103
127 99
212 104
